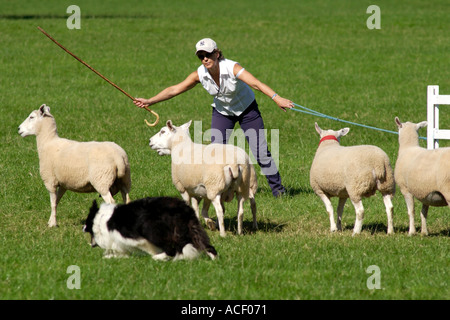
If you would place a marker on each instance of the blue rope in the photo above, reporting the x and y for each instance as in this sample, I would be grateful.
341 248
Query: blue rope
316 113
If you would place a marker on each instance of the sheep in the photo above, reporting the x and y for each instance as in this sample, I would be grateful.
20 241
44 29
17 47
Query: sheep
76 166
350 172
421 173
213 172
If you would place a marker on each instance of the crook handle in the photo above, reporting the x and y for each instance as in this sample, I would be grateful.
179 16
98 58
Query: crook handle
155 114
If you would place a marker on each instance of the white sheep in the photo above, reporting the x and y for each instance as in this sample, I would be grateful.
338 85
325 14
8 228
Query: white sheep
213 172
76 166
351 172
421 173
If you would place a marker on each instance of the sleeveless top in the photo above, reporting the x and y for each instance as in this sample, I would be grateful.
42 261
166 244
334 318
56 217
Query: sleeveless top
233 96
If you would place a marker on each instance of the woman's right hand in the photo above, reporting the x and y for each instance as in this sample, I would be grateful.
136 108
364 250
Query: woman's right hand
141 102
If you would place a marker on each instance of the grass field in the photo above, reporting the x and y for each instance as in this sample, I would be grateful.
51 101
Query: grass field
320 54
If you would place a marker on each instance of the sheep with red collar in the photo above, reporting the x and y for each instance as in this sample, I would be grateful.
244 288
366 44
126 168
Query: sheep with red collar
351 172
64 164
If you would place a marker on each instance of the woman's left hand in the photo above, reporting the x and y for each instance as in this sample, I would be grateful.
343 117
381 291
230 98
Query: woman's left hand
283 103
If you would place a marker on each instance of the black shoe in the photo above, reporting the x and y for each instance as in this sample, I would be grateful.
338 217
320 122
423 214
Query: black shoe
280 193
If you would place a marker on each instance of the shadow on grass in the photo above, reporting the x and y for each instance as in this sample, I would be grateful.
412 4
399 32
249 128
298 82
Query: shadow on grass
247 227
445 233
377 228
382 228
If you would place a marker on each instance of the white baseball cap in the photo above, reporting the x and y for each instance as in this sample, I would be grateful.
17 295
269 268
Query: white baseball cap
207 44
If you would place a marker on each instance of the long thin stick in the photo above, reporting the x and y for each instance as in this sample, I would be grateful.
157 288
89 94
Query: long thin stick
103 77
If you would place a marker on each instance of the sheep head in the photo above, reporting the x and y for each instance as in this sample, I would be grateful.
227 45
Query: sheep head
336 134
169 135
416 126
408 134
30 125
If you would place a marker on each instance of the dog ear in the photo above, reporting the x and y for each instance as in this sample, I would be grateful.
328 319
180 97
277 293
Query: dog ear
94 206
90 219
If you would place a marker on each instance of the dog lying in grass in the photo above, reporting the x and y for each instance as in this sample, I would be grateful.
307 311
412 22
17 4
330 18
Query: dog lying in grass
164 227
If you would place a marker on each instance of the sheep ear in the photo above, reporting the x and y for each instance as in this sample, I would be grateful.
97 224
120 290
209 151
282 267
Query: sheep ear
319 131
421 125
170 125
343 132
186 125
45 110
397 121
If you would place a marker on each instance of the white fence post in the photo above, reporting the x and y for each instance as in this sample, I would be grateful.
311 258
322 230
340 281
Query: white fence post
432 114
434 100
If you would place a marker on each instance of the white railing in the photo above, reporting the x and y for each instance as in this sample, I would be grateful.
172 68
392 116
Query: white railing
434 100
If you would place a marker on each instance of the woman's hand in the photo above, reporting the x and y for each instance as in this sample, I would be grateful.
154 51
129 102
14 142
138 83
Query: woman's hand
141 102
283 103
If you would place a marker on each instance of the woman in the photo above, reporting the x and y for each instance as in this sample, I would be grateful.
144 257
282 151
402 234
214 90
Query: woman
234 101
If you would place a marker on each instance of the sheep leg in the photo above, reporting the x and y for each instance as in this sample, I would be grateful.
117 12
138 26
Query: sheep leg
387 199
108 198
329 208
55 197
423 217
125 196
53 204
359 210
219 212
340 210
409 199
209 222
240 213
61 191
253 207
195 202
222 203
186 197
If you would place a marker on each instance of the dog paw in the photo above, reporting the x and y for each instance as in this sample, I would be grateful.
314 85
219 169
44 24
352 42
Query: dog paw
161 257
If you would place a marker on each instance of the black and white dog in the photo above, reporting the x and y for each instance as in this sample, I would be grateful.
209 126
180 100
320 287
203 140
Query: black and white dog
164 227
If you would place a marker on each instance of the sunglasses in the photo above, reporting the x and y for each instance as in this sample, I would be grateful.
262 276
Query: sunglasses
208 55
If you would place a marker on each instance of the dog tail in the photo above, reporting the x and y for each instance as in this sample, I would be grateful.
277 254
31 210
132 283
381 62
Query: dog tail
200 239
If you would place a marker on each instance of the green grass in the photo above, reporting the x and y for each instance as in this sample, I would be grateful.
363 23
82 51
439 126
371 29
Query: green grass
320 54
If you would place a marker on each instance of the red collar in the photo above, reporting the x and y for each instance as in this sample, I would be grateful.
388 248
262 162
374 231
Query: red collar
328 138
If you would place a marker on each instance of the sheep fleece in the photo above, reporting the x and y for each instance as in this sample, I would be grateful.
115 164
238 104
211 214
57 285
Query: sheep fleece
69 164
336 170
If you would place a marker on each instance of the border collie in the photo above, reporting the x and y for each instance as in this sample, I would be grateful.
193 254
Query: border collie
164 227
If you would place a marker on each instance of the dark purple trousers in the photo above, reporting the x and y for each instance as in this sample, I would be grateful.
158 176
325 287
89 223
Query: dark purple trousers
252 124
